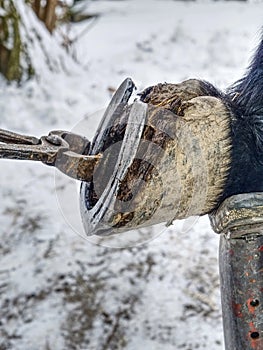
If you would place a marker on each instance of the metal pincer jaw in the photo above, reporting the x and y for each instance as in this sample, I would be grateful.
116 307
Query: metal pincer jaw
162 158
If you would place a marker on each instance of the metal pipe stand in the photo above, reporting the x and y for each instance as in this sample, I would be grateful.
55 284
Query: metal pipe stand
239 220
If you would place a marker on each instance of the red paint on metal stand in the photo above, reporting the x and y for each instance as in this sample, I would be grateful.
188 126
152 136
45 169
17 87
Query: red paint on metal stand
237 308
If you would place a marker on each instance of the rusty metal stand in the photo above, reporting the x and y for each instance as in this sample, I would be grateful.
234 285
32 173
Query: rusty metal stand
239 220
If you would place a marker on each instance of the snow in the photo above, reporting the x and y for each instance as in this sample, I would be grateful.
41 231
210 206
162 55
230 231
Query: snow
59 291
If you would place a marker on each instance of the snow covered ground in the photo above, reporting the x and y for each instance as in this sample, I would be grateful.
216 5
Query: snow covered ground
61 292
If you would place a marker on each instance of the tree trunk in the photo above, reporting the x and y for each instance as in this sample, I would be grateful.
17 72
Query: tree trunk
46 12
25 44
50 14
11 47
